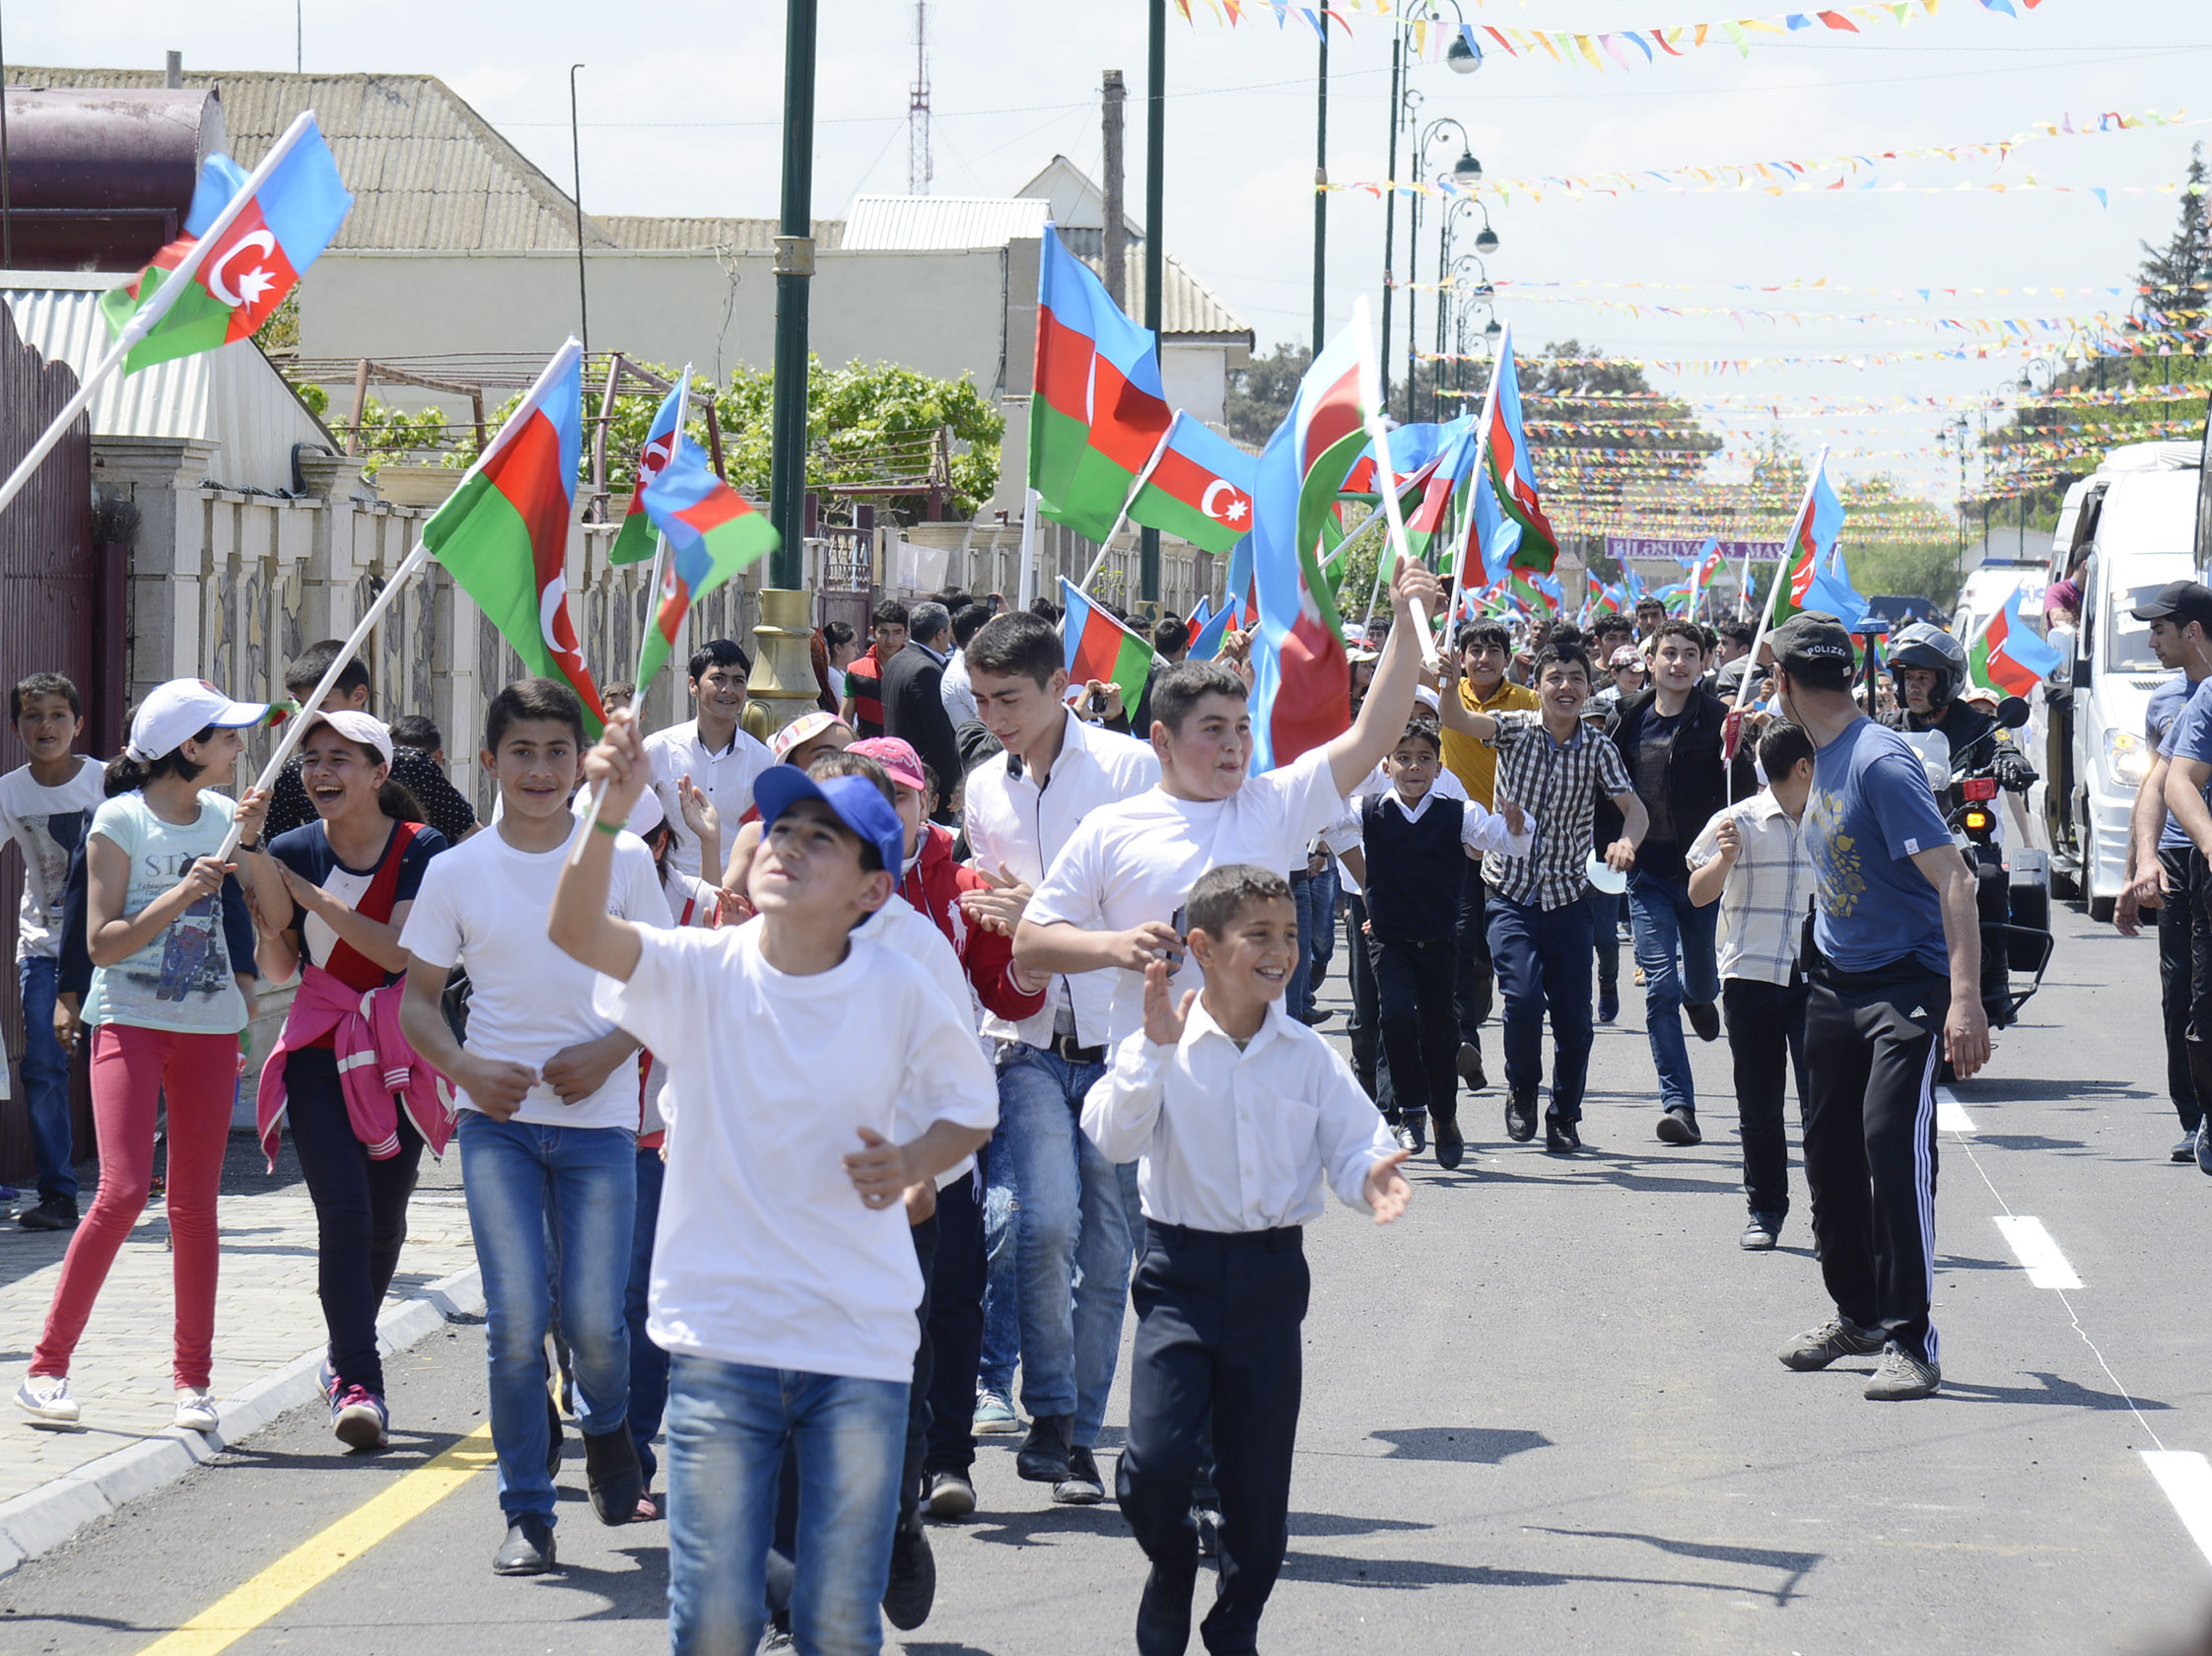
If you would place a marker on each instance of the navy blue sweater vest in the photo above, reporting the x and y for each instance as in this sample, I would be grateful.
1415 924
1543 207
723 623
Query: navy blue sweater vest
1414 868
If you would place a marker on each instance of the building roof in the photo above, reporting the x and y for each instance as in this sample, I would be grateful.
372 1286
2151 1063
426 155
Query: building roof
231 395
1077 202
742 235
1188 308
928 223
427 172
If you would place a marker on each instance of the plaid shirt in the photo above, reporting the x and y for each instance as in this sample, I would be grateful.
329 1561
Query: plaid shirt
1762 907
1558 784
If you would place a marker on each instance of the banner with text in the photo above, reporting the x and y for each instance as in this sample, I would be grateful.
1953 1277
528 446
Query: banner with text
1620 547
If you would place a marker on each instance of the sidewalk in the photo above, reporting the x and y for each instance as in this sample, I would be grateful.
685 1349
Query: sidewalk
268 1337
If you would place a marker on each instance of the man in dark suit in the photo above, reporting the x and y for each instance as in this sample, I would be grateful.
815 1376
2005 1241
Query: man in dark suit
914 702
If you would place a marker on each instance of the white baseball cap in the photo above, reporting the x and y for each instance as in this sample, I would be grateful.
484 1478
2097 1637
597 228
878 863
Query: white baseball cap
174 713
364 729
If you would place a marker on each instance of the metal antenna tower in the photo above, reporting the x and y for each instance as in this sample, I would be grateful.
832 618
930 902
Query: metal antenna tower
917 107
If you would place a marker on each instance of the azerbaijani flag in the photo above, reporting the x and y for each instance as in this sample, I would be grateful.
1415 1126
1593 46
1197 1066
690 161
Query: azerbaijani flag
1301 677
1200 488
1098 409
633 546
1240 592
502 535
1820 521
1521 585
1488 552
1677 597
1099 648
1603 600
1201 614
1705 565
2008 656
255 261
1513 470
712 533
1205 643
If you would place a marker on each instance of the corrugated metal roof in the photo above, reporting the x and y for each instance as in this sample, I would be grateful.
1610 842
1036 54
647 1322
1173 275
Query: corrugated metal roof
427 172
926 223
230 395
1187 305
743 236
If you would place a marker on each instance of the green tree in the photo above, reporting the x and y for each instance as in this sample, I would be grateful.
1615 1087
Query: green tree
1260 392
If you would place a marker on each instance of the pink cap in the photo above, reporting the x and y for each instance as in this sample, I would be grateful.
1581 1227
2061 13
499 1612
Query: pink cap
897 756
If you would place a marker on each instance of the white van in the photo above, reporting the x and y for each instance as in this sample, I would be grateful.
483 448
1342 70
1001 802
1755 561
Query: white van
2137 516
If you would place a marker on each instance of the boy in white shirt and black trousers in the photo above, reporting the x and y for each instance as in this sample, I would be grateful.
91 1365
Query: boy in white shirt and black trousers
1240 1115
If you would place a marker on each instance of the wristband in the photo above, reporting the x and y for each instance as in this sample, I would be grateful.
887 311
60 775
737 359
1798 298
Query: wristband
610 828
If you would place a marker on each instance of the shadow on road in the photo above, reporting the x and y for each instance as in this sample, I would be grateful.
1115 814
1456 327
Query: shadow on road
1487 1446
1795 1565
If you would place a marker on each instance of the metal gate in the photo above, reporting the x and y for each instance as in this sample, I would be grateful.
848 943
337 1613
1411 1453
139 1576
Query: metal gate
56 599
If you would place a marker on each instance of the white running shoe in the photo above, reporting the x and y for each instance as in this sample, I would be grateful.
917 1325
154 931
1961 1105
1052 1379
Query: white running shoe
47 1397
195 1409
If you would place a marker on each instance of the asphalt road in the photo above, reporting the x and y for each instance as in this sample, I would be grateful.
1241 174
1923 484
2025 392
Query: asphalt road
1541 1413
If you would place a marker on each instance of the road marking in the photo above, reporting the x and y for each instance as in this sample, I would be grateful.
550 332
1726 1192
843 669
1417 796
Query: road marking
315 1560
2186 1477
2036 1251
1950 1115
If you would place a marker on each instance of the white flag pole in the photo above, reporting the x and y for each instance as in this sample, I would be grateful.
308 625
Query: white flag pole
165 298
1766 610
1025 578
1378 429
1482 459
1121 516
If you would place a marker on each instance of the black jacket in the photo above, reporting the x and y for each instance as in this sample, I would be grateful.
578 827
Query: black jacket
1699 786
914 710
1964 726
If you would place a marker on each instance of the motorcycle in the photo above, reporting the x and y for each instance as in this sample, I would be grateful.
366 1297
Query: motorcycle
2012 883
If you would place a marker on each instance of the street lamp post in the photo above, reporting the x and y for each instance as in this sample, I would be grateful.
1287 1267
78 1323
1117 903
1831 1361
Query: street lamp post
1321 198
1467 170
1463 58
1155 173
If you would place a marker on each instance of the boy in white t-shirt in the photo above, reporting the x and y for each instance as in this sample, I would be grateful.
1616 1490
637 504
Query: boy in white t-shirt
548 1095
786 1287
44 808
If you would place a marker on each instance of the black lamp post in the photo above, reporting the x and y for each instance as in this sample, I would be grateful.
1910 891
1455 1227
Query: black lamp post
1467 170
1463 58
795 272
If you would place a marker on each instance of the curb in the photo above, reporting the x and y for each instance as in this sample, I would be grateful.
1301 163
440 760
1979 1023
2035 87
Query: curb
47 1516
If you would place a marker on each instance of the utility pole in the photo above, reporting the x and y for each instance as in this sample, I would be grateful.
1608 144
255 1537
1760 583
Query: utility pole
917 169
1321 198
576 156
795 271
1113 249
1155 172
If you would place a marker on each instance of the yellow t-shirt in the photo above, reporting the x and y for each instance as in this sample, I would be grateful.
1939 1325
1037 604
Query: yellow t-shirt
1475 763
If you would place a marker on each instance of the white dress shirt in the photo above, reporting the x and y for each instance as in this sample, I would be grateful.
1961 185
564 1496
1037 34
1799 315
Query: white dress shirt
1762 906
955 692
1237 1140
724 775
1015 824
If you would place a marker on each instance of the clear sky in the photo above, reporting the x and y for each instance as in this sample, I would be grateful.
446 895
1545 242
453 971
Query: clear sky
681 105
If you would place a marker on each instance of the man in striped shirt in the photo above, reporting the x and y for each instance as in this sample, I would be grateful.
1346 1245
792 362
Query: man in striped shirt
1555 768
1751 859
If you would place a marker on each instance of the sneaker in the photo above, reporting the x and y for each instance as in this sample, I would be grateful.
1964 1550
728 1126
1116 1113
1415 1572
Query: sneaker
1902 1377
995 1413
1082 1486
1608 1002
1451 1148
358 1418
952 1495
2186 1150
1404 1136
1470 1066
1043 1458
1520 1115
1763 1232
1639 977
1836 1338
913 1586
195 1409
57 1212
528 1549
779 1635
2203 1151
1208 1523
1417 1131
1704 1017
46 1396
1562 1134
1679 1125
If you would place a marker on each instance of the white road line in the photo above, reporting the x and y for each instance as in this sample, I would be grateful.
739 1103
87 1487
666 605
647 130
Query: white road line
1950 1115
2186 1477
2036 1251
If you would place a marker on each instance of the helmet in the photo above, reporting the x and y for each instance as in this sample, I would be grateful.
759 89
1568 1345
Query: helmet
1929 646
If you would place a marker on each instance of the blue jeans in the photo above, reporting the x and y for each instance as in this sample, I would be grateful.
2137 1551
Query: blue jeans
46 1082
1071 1240
648 1363
1543 958
583 1182
1605 932
729 1425
1315 896
1667 923
1002 1287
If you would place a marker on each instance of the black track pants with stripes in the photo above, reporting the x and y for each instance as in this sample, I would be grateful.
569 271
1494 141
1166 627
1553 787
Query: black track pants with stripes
1871 1041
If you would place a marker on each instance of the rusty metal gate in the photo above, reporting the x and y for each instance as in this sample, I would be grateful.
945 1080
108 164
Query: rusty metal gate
60 611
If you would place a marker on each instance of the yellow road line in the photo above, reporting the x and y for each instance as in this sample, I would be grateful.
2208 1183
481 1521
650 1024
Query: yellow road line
317 1559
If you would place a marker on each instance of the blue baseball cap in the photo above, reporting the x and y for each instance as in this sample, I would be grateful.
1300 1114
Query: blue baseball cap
858 803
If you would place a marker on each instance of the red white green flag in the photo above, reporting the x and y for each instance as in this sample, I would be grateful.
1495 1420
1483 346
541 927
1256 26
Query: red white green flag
504 534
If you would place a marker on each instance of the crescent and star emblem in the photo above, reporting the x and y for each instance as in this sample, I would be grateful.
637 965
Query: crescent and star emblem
252 282
1236 508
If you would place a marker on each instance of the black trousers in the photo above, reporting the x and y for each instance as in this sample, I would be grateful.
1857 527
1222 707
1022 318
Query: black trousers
1767 1042
360 1211
1420 1028
955 1328
1365 1029
2179 923
925 1374
1218 1340
1872 1040
1476 980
